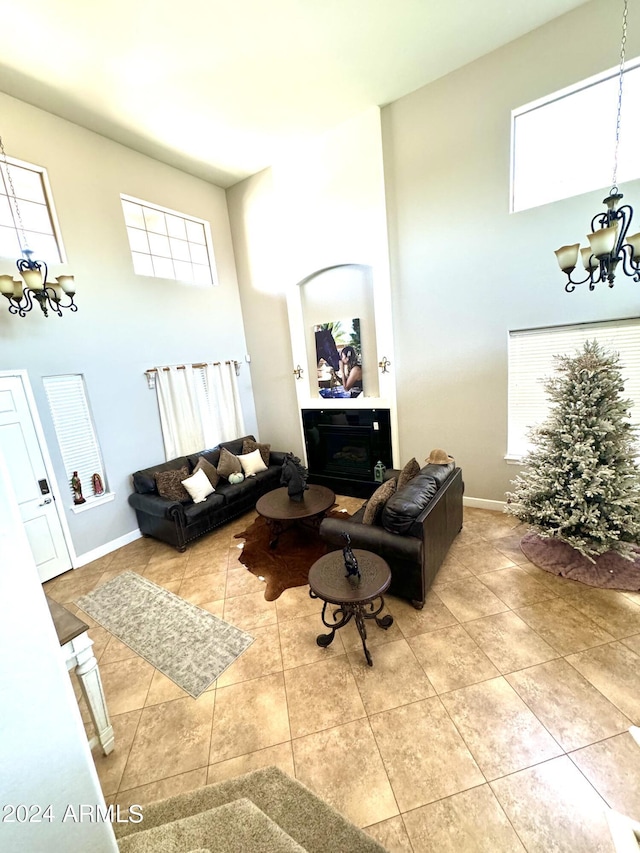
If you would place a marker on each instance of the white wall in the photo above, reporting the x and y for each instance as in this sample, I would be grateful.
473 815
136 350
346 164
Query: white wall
322 206
465 271
45 758
125 323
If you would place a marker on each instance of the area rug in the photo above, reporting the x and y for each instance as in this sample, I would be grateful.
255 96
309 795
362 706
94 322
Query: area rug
287 564
189 645
610 570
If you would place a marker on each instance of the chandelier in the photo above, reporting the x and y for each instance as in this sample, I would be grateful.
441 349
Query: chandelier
33 288
609 245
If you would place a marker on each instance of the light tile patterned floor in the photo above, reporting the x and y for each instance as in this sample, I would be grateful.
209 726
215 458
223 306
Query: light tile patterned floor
493 720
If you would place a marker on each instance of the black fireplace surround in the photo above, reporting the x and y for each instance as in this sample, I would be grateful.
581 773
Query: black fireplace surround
344 445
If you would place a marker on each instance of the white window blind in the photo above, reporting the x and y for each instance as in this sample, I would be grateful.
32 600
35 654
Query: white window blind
531 361
74 429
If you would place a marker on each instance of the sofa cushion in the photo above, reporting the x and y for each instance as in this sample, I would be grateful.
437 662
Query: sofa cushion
228 464
406 505
249 445
170 484
235 491
408 472
199 486
377 501
210 470
440 473
197 512
252 463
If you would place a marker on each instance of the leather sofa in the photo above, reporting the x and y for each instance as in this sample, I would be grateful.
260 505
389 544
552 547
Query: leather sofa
180 522
414 531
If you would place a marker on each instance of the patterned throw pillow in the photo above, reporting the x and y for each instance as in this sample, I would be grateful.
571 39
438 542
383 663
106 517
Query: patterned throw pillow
228 464
377 501
249 445
408 472
170 486
209 470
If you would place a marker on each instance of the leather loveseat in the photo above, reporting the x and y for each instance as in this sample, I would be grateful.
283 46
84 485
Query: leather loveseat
180 522
414 531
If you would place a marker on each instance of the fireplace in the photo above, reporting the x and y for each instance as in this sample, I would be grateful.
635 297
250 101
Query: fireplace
344 445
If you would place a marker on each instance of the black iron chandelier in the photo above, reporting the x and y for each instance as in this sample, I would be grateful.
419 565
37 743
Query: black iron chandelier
609 245
33 289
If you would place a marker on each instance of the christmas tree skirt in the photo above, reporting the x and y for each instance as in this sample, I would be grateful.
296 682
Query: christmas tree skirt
610 570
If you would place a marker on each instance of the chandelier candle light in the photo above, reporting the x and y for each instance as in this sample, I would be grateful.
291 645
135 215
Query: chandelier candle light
34 287
608 242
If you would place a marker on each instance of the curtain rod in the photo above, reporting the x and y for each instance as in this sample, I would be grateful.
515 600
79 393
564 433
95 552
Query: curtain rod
183 366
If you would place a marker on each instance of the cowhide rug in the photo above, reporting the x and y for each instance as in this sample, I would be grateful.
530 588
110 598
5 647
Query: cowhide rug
289 562
610 570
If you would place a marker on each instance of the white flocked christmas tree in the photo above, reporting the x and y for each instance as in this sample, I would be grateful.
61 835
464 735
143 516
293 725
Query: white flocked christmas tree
581 483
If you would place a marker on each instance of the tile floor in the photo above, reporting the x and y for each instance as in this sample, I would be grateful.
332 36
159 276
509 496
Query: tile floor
493 720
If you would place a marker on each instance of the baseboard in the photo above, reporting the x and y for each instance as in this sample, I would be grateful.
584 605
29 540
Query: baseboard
483 503
107 548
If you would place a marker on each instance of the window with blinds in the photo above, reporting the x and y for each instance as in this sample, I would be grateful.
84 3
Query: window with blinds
74 428
531 361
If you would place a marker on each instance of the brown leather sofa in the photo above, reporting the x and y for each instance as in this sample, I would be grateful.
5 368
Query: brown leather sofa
414 531
178 523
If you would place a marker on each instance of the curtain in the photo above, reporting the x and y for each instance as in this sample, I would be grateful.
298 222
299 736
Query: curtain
224 412
180 419
199 407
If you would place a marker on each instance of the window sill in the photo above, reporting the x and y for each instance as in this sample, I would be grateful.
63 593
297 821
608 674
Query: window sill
93 501
514 460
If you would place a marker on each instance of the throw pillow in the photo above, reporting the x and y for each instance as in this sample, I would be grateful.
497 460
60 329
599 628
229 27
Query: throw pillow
408 472
198 486
252 463
249 445
209 470
377 501
170 486
228 464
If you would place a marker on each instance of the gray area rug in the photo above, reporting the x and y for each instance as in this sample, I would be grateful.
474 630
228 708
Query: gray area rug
189 645
610 570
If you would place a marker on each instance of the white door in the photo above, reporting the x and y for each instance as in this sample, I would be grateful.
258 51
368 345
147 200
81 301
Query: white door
21 450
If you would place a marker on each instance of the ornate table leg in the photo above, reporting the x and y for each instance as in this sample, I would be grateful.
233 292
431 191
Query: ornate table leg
276 527
360 617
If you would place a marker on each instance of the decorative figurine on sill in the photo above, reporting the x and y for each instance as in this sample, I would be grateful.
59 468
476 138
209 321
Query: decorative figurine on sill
96 482
77 489
350 563
294 477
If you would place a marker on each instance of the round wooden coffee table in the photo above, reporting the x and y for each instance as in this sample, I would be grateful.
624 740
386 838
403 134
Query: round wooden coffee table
328 581
280 512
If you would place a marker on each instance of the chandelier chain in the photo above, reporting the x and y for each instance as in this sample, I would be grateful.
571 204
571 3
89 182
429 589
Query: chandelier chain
25 242
623 43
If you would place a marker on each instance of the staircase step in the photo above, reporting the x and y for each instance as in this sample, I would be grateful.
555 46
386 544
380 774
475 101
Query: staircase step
315 825
236 827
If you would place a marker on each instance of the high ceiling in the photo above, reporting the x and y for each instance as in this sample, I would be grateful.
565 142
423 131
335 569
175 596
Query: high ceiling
221 88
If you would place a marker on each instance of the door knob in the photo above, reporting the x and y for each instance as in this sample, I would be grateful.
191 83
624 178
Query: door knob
44 502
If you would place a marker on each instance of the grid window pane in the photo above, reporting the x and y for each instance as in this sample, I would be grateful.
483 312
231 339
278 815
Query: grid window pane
138 240
35 209
9 244
176 227
155 220
163 267
142 264
174 244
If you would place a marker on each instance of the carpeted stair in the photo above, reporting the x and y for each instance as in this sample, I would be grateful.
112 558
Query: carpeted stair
265 811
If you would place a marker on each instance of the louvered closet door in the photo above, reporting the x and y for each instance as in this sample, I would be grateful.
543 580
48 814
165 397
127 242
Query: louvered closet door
21 450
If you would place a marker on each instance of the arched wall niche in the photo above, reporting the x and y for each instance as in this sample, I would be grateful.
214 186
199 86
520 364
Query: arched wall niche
338 293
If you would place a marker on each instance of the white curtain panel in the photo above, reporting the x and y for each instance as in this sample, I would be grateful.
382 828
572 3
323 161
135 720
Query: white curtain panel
180 419
224 413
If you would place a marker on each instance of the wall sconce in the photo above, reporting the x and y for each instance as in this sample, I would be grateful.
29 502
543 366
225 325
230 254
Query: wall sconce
298 372
384 365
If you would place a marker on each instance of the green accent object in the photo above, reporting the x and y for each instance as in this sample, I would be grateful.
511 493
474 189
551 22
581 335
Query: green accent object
236 478
379 472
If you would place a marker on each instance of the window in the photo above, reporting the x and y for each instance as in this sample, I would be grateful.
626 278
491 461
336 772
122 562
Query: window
166 244
531 353
563 145
31 189
75 431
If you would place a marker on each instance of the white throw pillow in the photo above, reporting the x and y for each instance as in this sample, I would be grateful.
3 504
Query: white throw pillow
198 486
252 463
